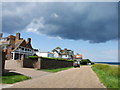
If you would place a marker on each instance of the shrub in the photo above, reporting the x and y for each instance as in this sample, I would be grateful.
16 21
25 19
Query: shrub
85 61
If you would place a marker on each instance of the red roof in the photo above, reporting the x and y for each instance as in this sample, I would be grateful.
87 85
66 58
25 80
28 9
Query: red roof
78 56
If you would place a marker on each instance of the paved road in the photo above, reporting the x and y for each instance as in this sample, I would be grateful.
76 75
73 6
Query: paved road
82 77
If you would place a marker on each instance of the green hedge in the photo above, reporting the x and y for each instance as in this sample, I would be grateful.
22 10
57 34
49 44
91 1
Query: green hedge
85 62
32 57
56 58
35 57
92 63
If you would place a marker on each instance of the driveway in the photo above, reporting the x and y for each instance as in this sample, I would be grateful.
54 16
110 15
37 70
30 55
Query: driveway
82 77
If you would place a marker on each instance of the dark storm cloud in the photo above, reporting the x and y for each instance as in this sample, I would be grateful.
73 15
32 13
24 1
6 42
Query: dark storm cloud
95 22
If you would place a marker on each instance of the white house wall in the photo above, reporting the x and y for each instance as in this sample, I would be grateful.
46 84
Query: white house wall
51 55
56 55
44 54
65 56
22 50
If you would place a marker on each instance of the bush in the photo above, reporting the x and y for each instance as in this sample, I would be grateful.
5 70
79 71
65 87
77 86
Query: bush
85 61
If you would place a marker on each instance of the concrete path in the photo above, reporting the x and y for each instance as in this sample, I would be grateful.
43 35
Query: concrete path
82 77
14 66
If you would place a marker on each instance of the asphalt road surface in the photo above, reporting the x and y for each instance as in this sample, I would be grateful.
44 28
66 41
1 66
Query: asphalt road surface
82 77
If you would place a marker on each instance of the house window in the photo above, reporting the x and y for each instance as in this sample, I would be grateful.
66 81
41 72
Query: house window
22 48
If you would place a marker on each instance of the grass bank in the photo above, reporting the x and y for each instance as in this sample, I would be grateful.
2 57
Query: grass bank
11 77
56 70
107 74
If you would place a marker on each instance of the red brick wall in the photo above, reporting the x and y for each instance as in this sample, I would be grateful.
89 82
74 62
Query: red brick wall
46 63
2 60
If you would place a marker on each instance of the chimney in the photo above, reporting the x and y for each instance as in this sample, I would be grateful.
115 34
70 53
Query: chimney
17 36
29 40
1 34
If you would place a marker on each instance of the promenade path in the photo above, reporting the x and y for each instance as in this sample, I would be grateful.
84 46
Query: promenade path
82 77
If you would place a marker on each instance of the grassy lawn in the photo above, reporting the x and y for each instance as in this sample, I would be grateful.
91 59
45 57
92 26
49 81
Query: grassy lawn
107 74
56 70
10 78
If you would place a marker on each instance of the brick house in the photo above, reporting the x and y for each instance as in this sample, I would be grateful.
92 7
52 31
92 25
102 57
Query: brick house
16 47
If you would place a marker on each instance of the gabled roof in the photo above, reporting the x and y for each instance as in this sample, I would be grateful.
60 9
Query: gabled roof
17 44
22 43
62 51
11 36
78 56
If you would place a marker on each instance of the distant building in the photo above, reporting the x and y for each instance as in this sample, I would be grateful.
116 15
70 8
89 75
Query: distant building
15 47
46 54
63 53
78 57
43 54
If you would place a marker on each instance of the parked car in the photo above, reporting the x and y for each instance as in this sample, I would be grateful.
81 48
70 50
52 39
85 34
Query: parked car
76 64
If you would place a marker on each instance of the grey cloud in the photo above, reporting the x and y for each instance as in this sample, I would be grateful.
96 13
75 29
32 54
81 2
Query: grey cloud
95 22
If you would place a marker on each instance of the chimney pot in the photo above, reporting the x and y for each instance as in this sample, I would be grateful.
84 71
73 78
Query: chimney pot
17 36
29 40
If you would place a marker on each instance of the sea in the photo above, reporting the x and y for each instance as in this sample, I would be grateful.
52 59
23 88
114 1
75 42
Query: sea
112 63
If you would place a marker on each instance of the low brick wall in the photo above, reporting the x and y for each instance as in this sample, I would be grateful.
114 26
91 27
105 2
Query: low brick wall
43 63
31 63
52 63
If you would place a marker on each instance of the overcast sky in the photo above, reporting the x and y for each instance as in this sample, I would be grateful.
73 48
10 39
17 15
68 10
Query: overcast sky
85 27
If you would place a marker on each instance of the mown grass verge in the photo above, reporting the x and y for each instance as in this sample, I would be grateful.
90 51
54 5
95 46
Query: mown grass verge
11 77
107 74
56 70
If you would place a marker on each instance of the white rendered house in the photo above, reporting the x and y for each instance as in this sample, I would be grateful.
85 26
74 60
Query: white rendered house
44 54
65 53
